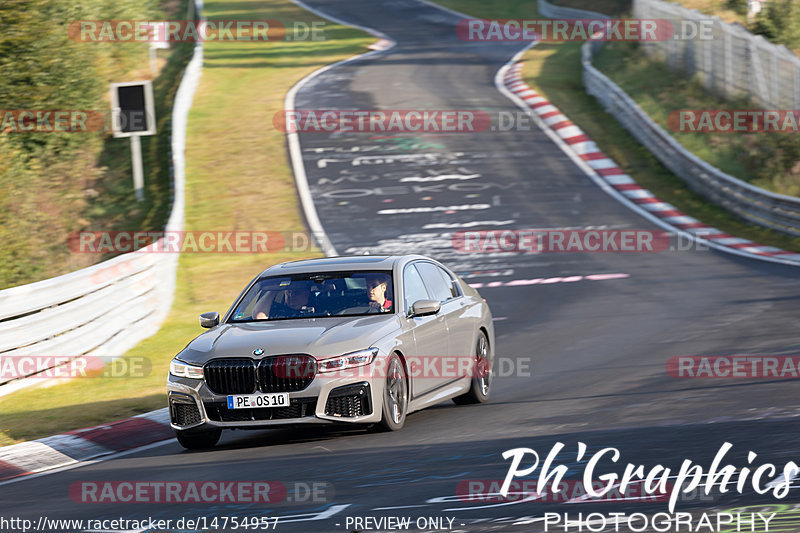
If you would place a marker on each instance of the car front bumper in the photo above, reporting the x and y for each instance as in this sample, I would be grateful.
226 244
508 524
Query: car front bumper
357 400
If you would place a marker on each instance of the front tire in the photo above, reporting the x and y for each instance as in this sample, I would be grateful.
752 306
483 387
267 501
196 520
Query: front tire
395 396
198 440
481 384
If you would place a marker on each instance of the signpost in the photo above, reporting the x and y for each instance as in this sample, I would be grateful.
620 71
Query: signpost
158 41
133 115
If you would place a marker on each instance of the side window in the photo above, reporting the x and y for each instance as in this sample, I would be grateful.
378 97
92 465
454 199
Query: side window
455 290
434 279
413 286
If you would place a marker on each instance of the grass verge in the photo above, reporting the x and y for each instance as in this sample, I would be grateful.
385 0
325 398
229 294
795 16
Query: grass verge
54 184
238 178
768 160
554 70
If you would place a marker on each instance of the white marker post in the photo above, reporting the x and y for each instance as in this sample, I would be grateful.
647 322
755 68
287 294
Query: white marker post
133 115
158 41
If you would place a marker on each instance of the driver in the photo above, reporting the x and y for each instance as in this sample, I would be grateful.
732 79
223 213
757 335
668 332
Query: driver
295 304
376 290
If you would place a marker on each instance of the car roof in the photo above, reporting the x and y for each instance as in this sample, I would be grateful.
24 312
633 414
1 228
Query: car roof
327 264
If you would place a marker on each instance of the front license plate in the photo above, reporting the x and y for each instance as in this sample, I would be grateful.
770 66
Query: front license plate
249 401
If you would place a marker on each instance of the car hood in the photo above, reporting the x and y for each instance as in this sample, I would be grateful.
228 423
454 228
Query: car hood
319 337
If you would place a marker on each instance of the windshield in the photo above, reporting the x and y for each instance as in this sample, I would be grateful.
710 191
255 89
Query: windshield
317 294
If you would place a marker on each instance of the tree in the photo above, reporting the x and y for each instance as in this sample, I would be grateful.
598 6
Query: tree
780 22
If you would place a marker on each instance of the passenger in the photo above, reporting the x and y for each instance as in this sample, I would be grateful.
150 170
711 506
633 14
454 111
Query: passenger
376 290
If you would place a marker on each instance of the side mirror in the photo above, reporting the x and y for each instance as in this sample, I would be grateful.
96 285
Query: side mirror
209 320
425 307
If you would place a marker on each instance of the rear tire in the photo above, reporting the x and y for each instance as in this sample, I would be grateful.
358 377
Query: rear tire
198 440
481 384
395 396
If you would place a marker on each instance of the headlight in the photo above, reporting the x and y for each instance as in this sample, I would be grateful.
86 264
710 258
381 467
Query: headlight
183 370
348 360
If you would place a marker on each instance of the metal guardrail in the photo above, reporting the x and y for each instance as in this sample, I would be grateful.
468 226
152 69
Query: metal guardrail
759 206
732 63
552 11
106 309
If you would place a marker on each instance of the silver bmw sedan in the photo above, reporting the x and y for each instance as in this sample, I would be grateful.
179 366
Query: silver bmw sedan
362 340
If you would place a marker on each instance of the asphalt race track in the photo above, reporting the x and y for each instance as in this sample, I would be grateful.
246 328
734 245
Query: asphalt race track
597 348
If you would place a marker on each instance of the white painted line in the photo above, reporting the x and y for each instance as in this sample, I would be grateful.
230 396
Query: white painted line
545 109
569 131
443 177
398 507
761 249
382 44
604 277
533 100
455 225
547 281
731 240
637 193
555 119
599 164
620 179
704 231
527 521
74 446
685 219
780 479
658 206
78 464
433 209
453 12
34 456
586 147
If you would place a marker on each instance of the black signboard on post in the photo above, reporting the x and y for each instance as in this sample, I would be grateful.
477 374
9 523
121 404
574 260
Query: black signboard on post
133 115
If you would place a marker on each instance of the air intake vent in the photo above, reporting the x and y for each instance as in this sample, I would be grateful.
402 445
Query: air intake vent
349 401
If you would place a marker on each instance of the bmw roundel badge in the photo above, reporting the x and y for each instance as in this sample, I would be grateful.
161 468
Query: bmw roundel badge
258 351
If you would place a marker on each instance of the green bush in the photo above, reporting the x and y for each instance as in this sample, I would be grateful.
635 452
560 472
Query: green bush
780 22
738 6
42 68
52 184
768 160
